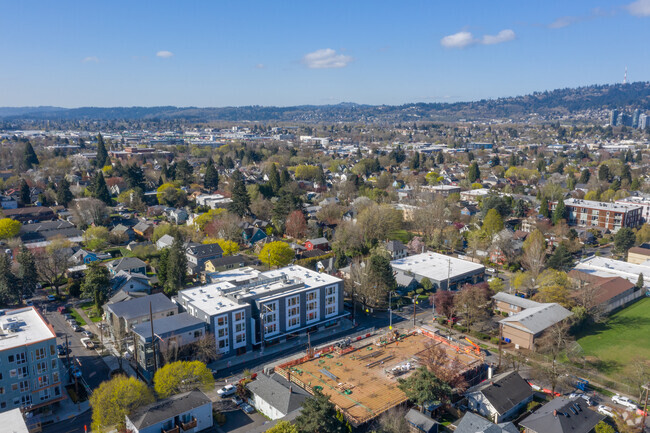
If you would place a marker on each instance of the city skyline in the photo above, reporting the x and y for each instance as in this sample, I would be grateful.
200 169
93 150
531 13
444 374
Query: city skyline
212 55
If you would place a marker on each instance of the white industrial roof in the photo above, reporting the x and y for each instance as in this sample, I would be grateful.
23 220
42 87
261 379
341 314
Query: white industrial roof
591 204
436 267
13 421
604 267
23 326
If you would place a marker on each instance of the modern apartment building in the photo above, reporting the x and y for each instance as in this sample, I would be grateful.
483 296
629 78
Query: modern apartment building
271 307
29 364
610 216
643 201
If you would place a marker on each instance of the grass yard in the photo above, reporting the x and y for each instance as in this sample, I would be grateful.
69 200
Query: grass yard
624 338
89 309
77 317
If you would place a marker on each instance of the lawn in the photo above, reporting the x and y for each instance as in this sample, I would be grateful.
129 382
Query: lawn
77 317
89 309
624 338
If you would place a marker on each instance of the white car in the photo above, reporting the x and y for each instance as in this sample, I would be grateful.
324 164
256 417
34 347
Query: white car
227 390
605 410
491 270
582 396
624 401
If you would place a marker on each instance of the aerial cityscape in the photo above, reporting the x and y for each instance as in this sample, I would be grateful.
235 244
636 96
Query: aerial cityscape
346 217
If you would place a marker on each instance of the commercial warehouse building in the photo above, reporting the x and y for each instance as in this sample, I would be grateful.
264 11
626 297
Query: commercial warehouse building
444 272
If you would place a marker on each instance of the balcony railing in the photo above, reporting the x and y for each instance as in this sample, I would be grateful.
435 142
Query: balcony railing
171 430
188 425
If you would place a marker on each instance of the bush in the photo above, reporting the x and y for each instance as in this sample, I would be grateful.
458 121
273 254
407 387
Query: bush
504 313
419 291
481 335
494 340
218 417
532 405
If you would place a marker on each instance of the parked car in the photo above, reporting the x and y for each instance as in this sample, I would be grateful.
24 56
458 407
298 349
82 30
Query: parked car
582 396
87 343
61 350
87 334
76 328
61 309
227 391
67 316
76 372
247 408
72 322
51 298
491 270
237 400
624 401
606 410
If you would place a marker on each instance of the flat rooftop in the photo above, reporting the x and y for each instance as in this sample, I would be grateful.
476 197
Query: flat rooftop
436 267
23 326
604 267
359 382
598 205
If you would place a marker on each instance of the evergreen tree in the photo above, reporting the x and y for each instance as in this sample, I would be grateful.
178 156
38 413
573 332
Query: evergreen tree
241 201
100 190
30 159
415 161
380 273
176 268
27 275
9 287
639 282
63 194
585 175
285 178
560 211
134 177
25 196
474 173
561 259
164 173
543 208
274 179
319 415
96 284
211 178
161 269
603 173
440 158
102 154
627 174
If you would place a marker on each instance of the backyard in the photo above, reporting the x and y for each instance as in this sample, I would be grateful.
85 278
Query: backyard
612 347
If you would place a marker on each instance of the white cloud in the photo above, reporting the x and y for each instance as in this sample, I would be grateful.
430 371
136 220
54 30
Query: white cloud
503 36
90 59
465 39
326 58
458 40
640 8
164 54
260 66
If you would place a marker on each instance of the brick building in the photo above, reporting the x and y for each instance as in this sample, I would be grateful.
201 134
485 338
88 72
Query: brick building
610 216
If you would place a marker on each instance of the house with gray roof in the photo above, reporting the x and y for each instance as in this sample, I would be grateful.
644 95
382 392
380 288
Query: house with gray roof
130 282
274 396
198 255
420 423
500 398
512 304
165 241
562 415
396 249
188 412
472 423
122 316
129 264
522 328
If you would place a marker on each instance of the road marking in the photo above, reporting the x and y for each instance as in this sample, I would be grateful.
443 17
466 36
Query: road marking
92 374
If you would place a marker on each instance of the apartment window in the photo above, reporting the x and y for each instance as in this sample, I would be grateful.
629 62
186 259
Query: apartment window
57 391
312 306
54 364
13 373
240 327
23 372
331 301
197 334
44 394
24 386
3 404
10 358
270 313
26 400
43 381
239 316
293 312
222 333
55 376
222 321
41 367
14 387
240 338
52 350
21 358
2 390
40 353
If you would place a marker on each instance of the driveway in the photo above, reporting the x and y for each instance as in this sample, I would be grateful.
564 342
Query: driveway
237 421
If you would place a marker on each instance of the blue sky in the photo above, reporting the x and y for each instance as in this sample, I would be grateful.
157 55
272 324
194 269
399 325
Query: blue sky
223 53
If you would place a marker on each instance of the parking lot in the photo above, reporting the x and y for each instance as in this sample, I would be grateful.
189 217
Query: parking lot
237 421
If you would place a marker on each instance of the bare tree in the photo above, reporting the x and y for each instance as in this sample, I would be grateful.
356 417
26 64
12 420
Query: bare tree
431 220
446 368
52 261
472 302
392 421
534 254
584 295
205 349
553 342
89 211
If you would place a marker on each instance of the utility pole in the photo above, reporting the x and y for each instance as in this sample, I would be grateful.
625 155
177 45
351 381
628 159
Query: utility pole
500 339
390 310
153 341
415 297
646 389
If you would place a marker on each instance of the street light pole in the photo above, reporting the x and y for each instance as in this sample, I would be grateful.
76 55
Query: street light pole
415 297
390 310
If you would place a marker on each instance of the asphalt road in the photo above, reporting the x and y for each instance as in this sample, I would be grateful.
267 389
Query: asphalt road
73 425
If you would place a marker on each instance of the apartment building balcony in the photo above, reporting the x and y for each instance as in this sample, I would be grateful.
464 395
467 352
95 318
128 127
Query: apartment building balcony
188 425
171 430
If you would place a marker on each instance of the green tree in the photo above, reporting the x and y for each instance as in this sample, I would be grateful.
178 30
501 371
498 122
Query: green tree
25 195
27 274
161 269
585 175
423 387
603 427
553 286
63 194
274 179
183 172
96 238
102 154
560 211
211 178
96 284
176 267
415 161
639 282
283 427
134 177
182 376
474 173
99 189
9 228
543 208
380 273
29 156
493 223
9 287
624 239
561 259
318 415
241 201
116 398
277 254
603 173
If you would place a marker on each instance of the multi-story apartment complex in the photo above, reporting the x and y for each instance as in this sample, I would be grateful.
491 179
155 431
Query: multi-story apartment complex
270 307
643 201
29 364
610 216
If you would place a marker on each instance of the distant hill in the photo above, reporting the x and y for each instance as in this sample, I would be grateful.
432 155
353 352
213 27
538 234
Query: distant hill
548 104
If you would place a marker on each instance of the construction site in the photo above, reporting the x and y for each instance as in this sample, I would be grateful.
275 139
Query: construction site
361 379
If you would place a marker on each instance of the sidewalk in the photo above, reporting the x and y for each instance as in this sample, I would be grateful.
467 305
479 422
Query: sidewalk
66 410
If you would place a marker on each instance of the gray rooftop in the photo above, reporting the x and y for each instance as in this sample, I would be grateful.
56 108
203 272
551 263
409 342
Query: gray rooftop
420 420
139 307
472 423
572 416
168 325
284 397
126 263
168 408
515 300
504 391
537 319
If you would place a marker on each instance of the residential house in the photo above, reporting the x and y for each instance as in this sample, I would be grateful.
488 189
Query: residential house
396 249
42 233
30 375
129 264
469 210
198 255
172 335
33 213
562 415
523 328
130 282
165 241
122 316
420 423
252 235
500 398
224 263
274 397
124 233
133 245
609 293
178 216
8 202
472 423
638 255
84 256
143 229
318 243
189 412
511 304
